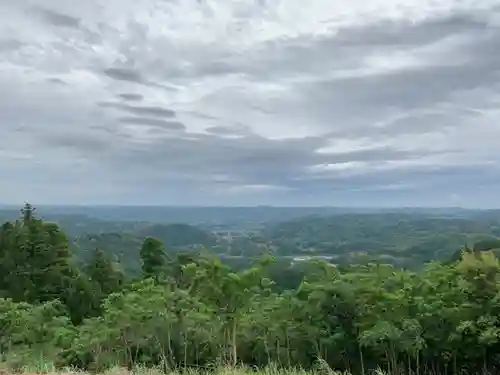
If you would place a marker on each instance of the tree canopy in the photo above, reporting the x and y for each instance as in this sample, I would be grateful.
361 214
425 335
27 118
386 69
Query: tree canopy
192 309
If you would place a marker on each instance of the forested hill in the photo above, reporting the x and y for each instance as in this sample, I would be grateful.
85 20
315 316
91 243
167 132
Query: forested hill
407 239
191 310
178 235
123 245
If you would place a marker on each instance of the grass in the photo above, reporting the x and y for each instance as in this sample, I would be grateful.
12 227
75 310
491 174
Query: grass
154 371
48 368
40 365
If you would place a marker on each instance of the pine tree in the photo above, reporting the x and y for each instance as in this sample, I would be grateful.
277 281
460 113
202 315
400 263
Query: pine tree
104 273
153 258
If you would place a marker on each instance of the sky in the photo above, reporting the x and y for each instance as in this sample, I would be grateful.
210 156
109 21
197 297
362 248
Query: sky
250 102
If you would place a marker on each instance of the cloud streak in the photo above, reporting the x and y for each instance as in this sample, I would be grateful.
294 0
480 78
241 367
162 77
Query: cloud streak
251 102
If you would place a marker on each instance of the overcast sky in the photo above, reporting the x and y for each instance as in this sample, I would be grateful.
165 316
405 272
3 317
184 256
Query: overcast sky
243 102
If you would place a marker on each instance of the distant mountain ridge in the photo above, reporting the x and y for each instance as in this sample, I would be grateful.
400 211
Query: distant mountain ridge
405 237
220 218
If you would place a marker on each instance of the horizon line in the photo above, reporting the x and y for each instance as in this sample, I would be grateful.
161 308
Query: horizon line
100 205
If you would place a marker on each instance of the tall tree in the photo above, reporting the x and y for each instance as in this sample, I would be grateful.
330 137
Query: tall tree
104 273
36 265
153 257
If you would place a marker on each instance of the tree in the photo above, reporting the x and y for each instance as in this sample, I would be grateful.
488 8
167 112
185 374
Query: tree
442 319
153 257
36 265
104 273
28 213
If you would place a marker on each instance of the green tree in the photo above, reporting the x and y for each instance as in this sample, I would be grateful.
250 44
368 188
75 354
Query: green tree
153 259
105 274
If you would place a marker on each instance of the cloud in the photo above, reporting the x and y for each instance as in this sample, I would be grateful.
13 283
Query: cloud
140 110
56 18
131 97
215 102
8 44
56 81
171 125
124 74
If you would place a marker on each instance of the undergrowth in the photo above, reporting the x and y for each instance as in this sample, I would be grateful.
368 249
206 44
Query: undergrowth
43 366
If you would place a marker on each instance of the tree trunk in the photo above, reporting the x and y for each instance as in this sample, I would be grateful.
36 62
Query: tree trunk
234 345
288 349
361 359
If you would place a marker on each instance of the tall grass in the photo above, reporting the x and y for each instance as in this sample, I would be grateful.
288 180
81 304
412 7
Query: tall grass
46 367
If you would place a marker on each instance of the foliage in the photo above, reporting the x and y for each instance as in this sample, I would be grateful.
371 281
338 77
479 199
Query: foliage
407 240
192 310
152 256
403 238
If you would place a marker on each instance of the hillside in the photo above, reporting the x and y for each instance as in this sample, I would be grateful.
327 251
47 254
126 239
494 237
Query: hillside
124 246
178 235
403 239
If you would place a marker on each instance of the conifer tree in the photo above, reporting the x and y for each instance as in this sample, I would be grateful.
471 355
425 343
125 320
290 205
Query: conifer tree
153 259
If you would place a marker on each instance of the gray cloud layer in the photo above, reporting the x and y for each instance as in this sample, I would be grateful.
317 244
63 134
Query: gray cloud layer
216 102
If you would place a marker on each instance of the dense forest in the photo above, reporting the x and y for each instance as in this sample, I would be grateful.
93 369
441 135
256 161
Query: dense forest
188 308
405 240
401 237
